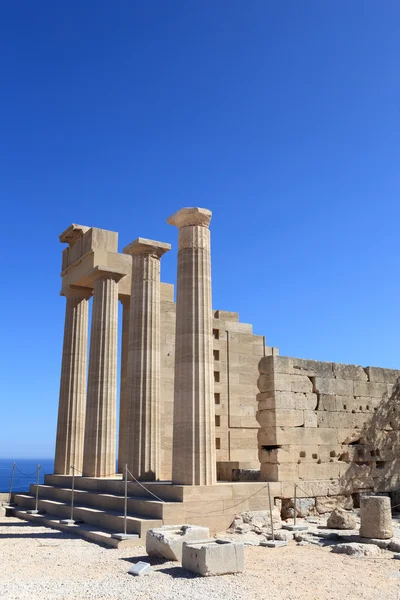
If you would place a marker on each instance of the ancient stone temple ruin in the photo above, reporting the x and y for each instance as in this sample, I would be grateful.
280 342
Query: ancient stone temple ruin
208 412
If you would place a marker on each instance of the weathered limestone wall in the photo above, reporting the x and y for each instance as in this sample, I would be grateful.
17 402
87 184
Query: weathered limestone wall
236 353
332 424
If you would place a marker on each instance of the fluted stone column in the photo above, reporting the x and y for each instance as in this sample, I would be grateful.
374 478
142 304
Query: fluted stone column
193 458
143 414
99 456
72 403
126 305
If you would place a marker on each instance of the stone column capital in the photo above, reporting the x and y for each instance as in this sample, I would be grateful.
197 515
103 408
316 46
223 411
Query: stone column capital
145 247
191 217
103 272
74 291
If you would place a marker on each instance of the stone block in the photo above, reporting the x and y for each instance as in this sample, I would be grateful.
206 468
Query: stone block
213 557
268 436
356 549
378 375
341 519
140 568
319 471
340 420
166 542
342 387
301 383
327 402
276 364
370 389
304 507
277 418
271 383
312 368
279 472
353 372
310 418
326 504
376 517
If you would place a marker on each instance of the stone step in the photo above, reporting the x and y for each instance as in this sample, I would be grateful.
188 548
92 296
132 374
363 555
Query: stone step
84 530
115 485
107 520
137 505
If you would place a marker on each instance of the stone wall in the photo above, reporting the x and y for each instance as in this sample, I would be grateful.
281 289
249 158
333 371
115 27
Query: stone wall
333 428
237 353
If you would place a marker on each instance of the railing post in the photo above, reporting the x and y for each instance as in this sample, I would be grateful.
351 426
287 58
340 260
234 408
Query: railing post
126 499
125 535
270 510
35 511
11 482
72 492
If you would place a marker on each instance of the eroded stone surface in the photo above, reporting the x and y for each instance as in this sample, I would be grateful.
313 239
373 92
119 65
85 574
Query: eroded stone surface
376 517
341 519
213 557
355 549
166 542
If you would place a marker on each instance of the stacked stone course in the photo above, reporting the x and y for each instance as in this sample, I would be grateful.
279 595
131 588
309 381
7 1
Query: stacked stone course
321 422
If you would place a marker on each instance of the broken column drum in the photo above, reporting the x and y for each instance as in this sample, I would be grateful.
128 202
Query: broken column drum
194 457
376 517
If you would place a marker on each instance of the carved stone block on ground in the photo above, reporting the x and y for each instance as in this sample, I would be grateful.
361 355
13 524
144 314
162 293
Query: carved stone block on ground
166 542
213 557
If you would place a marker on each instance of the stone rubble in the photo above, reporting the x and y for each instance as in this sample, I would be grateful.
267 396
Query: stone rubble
341 519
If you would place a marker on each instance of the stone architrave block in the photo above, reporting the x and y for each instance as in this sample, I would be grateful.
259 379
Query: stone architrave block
166 542
213 557
353 372
376 517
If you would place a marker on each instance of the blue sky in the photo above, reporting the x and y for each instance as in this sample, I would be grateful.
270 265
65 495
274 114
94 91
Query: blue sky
282 117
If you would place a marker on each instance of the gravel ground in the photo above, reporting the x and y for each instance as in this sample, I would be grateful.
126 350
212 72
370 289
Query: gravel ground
43 564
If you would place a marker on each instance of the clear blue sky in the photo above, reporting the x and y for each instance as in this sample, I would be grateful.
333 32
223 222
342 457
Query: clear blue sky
282 117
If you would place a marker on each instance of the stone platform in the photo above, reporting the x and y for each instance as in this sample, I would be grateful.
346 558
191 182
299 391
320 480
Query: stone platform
99 503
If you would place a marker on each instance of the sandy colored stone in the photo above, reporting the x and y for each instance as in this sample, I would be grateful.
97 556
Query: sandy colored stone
213 557
194 452
167 541
376 517
341 519
143 414
72 402
99 456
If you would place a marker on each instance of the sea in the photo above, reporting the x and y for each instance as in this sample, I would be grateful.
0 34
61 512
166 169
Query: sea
25 472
